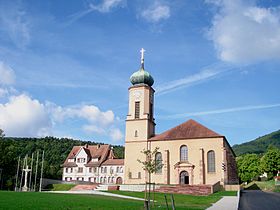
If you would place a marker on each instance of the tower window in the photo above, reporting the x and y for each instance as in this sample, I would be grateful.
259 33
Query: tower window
151 111
136 134
137 109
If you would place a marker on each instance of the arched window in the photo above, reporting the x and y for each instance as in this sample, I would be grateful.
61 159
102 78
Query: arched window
211 161
183 153
158 162
136 133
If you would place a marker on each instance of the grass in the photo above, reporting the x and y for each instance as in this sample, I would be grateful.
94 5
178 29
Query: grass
182 201
60 187
265 186
44 201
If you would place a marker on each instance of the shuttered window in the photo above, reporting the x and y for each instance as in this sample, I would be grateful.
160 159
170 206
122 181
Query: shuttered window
137 109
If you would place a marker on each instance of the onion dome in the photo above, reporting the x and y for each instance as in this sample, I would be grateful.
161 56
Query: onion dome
141 76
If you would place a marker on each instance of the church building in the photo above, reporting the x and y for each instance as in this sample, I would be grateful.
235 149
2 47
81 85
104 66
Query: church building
189 153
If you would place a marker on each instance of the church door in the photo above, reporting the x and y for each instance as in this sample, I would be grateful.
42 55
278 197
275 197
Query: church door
184 177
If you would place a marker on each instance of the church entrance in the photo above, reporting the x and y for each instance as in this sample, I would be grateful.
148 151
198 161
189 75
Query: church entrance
184 177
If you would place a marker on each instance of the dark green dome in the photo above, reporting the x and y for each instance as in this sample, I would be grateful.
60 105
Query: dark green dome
141 77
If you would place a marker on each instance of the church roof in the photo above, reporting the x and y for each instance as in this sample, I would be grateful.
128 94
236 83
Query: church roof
187 130
114 162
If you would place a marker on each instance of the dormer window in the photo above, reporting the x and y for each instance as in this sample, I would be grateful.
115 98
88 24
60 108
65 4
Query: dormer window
94 160
81 160
70 160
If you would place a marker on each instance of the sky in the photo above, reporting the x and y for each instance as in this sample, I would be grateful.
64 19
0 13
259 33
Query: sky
65 66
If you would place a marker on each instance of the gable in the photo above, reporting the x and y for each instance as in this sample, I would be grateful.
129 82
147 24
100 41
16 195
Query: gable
187 130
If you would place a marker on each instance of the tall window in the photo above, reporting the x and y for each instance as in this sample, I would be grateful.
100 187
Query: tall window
151 111
211 161
80 170
158 161
137 109
183 153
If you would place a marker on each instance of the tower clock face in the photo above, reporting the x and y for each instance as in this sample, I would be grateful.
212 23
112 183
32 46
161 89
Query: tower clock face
137 94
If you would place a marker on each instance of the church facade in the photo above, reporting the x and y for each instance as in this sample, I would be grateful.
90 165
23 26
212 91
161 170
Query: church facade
189 153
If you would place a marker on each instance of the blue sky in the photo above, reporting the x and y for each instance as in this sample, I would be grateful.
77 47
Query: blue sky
65 65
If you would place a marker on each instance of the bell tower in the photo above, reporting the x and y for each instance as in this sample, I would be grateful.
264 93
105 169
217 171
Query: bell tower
140 123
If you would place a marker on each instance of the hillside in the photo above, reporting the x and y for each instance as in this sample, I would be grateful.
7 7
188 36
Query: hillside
56 151
258 145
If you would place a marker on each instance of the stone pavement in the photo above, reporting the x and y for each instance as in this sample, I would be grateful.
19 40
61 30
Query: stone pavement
94 192
227 202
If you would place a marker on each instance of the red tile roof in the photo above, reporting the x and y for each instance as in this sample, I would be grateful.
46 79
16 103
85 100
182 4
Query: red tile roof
114 162
102 152
187 130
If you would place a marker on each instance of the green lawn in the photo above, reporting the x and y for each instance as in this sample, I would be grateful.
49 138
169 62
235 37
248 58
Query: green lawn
264 185
182 201
35 200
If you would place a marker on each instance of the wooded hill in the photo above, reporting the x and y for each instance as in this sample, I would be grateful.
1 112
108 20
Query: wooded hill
56 151
259 145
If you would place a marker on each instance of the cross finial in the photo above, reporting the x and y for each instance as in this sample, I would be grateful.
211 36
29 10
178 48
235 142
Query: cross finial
142 57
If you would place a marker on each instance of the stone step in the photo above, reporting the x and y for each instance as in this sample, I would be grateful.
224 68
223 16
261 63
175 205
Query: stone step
84 187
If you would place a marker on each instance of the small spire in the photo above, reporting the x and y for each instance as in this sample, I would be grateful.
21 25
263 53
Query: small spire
142 57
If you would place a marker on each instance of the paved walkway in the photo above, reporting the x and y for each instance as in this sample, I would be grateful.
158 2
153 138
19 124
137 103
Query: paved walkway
259 200
227 202
95 192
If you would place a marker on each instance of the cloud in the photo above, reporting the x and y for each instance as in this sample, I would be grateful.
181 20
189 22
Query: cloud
7 76
15 23
107 5
245 33
116 134
104 7
96 121
24 116
156 12
203 75
221 111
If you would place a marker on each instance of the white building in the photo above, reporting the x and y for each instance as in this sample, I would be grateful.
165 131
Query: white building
95 164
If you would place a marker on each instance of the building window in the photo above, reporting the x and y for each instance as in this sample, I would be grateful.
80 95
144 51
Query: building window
129 175
136 134
94 169
183 153
139 175
158 162
81 160
90 170
211 161
69 170
101 179
105 170
137 109
80 170
111 170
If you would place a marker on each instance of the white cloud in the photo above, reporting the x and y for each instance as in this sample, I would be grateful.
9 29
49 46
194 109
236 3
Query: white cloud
156 12
14 22
107 5
24 116
7 76
245 33
116 134
205 74
93 129
222 111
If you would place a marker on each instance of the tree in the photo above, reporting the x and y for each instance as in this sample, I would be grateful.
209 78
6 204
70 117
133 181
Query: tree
248 167
270 162
150 165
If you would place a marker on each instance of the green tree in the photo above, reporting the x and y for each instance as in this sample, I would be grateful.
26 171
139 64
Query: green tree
270 162
248 167
149 165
